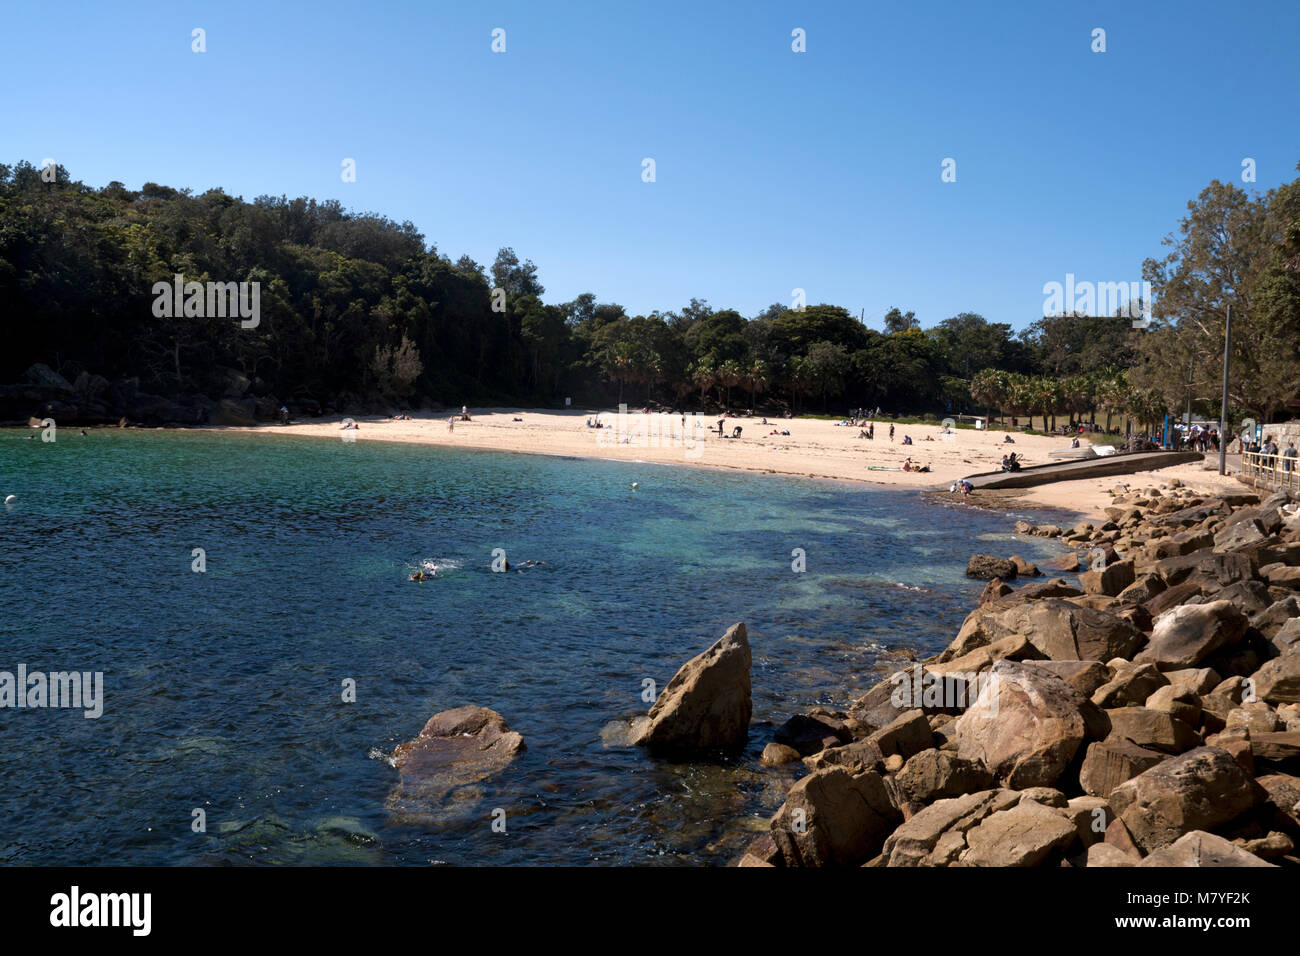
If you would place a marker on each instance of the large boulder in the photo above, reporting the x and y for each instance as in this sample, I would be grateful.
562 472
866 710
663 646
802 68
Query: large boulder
1278 681
1110 580
1025 835
936 774
1025 726
1223 568
907 734
706 706
1199 848
1186 635
1153 729
916 842
456 748
1108 763
1062 631
834 818
1198 790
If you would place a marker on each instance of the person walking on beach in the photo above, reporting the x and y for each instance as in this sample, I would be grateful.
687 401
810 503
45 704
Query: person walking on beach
891 433
451 423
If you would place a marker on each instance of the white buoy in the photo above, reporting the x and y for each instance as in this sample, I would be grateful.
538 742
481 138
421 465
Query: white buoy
11 499
635 486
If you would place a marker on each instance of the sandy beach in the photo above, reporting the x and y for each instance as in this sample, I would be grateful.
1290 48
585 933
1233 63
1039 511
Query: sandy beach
814 448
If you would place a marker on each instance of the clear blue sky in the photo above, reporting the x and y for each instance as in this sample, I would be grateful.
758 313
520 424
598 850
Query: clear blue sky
775 169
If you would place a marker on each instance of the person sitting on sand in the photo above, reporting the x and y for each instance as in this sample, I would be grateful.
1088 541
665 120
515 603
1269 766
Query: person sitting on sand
1008 440
862 433
1074 443
922 468
907 439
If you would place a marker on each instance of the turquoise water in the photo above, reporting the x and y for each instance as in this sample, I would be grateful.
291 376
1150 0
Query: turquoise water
223 689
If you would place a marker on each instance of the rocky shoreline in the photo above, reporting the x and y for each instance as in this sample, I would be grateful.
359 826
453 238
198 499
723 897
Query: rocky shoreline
1146 713
1149 716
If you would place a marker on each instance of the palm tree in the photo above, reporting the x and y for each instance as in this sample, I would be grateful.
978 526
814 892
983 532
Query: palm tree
756 377
705 376
730 374
990 387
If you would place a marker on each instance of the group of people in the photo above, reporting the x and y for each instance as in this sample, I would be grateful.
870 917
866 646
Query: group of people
909 466
1202 438
869 432
1270 447
1010 462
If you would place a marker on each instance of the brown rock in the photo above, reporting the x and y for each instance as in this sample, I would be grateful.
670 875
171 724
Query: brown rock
834 818
1199 848
1084 676
1110 580
456 748
809 733
706 706
1276 747
1131 684
934 774
1278 681
1025 835
1063 631
1178 702
913 843
1024 568
776 755
993 590
1200 789
1105 855
1025 727
854 757
1110 762
1184 636
986 566
1153 729
907 735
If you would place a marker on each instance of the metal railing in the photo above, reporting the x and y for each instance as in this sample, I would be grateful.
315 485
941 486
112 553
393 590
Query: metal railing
1276 471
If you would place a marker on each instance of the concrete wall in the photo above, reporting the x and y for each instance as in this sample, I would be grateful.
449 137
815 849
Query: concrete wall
1282 433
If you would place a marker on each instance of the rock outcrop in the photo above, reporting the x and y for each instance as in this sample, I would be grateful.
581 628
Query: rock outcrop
706 706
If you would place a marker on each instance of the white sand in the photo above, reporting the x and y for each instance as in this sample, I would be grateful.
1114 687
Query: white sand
814 448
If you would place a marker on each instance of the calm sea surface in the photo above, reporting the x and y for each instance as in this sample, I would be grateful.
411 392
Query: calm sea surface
223 689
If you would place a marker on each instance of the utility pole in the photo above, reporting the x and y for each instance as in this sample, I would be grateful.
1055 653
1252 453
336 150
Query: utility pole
1223 409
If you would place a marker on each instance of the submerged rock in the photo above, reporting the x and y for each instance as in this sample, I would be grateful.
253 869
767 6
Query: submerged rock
456 748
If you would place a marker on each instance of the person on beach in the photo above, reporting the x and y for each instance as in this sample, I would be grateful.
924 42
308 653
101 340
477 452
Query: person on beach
891 433
1008 440
451 423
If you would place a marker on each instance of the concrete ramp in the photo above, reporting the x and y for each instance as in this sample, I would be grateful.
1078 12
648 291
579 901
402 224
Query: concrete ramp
1031 475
